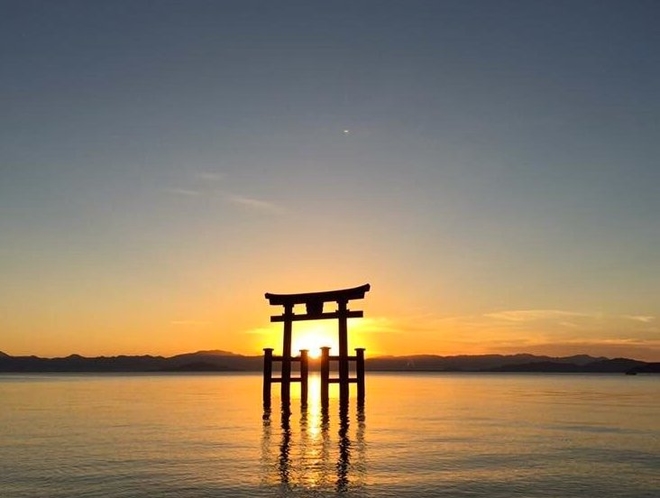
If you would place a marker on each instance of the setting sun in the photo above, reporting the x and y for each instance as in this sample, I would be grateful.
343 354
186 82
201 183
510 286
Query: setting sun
313 337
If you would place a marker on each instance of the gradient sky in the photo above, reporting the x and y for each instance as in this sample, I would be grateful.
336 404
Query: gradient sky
490 167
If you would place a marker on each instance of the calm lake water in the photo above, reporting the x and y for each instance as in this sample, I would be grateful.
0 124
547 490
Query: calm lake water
453 435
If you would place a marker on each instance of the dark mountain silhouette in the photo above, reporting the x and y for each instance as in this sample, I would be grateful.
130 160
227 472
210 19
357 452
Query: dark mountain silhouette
540 366
472 363
616 365
212 361
197 366
225 361
580 359
209 352
645 368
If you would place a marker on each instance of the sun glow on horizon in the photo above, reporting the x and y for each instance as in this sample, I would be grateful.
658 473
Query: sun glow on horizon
313 337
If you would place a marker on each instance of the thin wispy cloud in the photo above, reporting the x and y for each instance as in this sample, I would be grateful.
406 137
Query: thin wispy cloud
200 185
209 176
632 348
189 323
534 315
182 192
255 204
378 324
205 188
639 318
263 330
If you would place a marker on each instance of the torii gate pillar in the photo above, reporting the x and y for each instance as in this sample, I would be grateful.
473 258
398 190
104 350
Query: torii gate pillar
314 303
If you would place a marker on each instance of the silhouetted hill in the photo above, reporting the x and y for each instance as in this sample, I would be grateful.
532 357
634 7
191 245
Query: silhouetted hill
472 363
210 352
646 368
224 361
197 366
616 365
212 360
580 359
540 366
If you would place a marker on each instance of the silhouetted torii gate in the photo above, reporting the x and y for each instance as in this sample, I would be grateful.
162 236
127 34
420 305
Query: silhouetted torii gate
314 303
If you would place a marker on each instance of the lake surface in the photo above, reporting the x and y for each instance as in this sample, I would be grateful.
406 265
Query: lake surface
439 435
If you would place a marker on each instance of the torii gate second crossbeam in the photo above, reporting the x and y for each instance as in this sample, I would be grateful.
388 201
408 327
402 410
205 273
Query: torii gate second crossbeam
314 310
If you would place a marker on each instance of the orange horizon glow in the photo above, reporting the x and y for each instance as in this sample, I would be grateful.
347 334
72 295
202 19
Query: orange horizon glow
381 333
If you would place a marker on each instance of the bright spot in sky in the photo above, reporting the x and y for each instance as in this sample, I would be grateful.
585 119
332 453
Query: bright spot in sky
315 353
346 132
312 337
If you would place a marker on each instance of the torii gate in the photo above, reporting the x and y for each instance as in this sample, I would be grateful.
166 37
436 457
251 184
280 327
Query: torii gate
314 303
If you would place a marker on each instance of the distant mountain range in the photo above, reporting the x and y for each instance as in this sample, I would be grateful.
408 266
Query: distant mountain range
224 361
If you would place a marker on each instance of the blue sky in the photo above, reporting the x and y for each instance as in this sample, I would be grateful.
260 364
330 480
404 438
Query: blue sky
491 168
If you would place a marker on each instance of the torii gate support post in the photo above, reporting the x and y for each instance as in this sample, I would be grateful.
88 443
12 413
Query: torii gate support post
286 354
325 376
269 380
359 373
268 374
304 374
342 311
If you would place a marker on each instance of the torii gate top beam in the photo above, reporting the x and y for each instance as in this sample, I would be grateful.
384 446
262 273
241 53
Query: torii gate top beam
314 303
324 296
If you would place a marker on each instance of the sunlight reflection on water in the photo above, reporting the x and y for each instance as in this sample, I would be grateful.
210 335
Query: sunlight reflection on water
308 458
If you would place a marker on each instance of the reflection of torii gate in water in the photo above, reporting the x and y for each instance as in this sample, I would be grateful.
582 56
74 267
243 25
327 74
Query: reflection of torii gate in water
314 302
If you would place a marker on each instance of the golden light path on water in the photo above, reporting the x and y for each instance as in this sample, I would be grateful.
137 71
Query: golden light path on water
309 455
